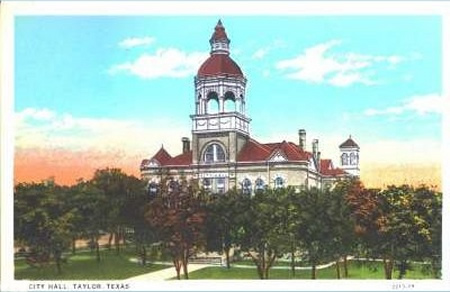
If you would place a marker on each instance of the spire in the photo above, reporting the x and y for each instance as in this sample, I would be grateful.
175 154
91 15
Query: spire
219 40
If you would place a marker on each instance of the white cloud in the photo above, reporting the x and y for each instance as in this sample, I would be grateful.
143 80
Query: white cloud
166 62
266 73
263 51
41 114
99 134
260 53
317 65
135 42
420 104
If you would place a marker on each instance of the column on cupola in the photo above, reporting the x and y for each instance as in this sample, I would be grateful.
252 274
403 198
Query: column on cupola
221 98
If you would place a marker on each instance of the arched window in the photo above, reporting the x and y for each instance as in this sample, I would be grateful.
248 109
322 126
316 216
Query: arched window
246 186
353 159
214 153
278 182
259 185
230 102
212 103
344 159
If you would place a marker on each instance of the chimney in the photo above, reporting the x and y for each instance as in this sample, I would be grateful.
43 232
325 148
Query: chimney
186 144
302 139
315 148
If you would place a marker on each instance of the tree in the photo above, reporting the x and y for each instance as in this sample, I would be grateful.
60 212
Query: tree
42 222
366 215
405 227
117 187
263 232
178 214
343 225
426 206
222 226
89 206
136 207
315 227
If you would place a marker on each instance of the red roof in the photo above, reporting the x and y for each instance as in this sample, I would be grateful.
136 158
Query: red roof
326 168
184 159
218 64
349 143
219 32
161 156
252 151
255 151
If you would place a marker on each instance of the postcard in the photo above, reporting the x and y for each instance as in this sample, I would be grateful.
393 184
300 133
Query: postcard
224 145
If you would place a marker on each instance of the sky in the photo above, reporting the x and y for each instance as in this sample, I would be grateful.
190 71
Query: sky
98 91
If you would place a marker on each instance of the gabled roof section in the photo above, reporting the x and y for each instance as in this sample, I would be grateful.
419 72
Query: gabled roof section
184 159
292 151
349 143
278 156
162 156
254 151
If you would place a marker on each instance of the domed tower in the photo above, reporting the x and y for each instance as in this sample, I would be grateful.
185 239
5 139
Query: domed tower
219 117
350 156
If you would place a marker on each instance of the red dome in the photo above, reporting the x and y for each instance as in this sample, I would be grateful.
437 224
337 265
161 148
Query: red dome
219 64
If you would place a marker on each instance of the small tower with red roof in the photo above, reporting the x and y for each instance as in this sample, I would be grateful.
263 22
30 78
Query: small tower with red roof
350 156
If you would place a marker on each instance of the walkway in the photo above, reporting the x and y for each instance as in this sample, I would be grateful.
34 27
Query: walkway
170 273
166 274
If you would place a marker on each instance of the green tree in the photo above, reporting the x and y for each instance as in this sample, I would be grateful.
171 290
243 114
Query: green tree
42 222
136 207
315 227
263 229
426 206
89 206
222 225
117 187
404 232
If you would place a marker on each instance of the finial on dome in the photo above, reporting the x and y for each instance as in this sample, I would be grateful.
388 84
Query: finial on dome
219 40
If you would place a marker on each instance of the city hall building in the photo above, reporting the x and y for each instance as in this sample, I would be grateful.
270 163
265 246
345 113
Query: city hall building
222 153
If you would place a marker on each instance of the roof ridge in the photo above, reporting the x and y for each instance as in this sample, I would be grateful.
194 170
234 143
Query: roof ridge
259 145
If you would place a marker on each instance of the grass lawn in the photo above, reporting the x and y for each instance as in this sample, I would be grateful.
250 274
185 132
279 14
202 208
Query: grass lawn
84 266
357 270
275 264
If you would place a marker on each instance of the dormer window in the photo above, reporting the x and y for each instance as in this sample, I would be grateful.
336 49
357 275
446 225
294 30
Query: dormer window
214 153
